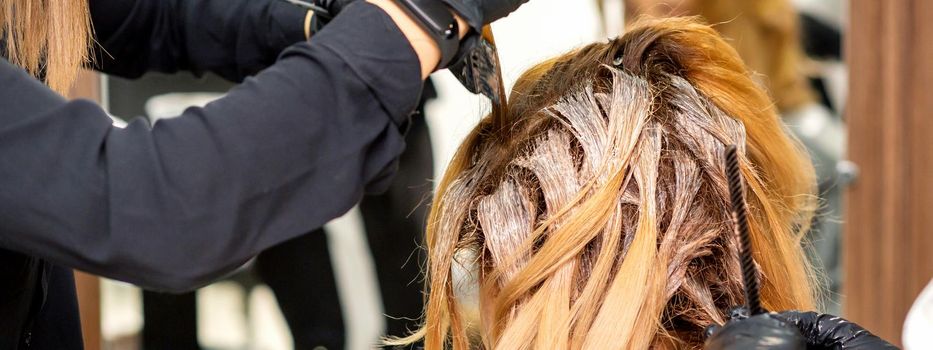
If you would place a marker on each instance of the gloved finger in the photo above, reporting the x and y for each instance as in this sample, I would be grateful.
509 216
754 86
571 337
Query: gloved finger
469 10
757 332
481 12
738 313
475 66
833 331
501 11
712 329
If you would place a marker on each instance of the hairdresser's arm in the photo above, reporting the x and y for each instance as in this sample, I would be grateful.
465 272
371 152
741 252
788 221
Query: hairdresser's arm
232 38
176 205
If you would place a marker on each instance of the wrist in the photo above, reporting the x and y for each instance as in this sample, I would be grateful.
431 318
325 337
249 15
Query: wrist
429 54
462 24
426 46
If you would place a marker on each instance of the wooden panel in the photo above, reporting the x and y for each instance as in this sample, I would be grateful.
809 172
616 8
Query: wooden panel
88 286
920 108
887 244
89 303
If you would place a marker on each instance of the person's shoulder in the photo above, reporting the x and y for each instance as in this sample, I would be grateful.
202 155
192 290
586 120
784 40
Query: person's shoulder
920 321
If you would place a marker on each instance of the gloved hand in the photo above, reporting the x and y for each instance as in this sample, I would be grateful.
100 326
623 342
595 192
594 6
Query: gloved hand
481 12
475 66
824 331
324 11
762 331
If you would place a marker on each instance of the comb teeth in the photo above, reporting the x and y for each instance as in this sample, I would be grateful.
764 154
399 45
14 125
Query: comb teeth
478 69
486 70
740 221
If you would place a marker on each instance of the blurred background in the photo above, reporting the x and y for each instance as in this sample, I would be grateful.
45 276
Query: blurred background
357 279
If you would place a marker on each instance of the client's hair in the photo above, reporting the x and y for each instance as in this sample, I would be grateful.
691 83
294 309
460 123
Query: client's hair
766 34
596 209
48 38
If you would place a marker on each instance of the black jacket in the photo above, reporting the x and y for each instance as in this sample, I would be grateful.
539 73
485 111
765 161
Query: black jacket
175 205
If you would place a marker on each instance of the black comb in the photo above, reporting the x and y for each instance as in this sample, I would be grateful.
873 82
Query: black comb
740 225
479 70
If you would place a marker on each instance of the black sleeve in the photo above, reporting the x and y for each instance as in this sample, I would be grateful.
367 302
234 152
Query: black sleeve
176 205
232 38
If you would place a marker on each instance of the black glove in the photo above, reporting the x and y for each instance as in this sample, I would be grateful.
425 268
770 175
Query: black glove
475 66
824 331
438 21
481 12
330 10
324 11
762 331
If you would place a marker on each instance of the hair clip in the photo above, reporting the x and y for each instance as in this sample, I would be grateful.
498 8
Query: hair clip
617 59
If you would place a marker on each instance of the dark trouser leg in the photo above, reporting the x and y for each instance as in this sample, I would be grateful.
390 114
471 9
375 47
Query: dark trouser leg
394 229
170 321
300 274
